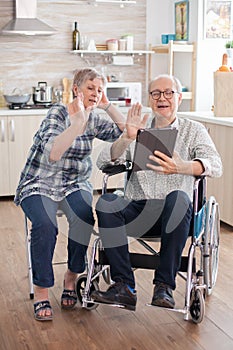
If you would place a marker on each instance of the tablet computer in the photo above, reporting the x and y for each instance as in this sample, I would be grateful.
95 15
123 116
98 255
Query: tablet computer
149 140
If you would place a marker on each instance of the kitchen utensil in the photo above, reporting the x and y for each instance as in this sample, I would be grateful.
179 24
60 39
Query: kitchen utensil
17 97
67 95
42 93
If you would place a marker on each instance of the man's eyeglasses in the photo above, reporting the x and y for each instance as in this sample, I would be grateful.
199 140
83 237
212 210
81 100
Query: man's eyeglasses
168 94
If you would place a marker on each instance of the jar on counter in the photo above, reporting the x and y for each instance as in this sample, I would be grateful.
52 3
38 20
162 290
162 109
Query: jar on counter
129 41
112 44
122 44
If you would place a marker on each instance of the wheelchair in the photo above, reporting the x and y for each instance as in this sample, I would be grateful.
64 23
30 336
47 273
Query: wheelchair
199 268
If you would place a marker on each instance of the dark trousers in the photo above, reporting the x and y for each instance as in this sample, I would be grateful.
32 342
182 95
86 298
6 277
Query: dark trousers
169 219
41 211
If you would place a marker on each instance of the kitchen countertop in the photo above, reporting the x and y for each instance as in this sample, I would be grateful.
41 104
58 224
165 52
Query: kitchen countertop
14 112
207 116
202 116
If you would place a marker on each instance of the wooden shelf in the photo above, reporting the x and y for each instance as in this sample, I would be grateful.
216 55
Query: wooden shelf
170 49
92 2
108 52
121 2
164 48
187 95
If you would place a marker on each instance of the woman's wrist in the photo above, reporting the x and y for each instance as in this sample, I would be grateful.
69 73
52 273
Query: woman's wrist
107 107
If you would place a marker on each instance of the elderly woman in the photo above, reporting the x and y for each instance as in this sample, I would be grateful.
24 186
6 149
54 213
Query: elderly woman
56 176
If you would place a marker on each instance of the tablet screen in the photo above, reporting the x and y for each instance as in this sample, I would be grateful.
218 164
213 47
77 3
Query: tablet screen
149 140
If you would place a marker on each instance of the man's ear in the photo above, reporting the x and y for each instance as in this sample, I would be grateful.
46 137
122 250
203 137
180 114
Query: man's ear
180 98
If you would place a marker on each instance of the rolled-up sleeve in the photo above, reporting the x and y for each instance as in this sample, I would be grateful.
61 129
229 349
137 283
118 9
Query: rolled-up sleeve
204 150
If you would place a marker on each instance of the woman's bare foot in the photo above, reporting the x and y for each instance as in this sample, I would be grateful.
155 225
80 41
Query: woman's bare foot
69 297
42 294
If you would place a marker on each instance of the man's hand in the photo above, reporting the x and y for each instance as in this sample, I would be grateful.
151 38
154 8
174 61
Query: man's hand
175 165
167 165
135 121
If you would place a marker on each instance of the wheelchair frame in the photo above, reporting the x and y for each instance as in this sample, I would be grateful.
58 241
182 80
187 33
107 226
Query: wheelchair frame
204 236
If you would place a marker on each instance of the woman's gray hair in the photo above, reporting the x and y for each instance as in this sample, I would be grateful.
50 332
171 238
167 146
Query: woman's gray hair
167 76
85 74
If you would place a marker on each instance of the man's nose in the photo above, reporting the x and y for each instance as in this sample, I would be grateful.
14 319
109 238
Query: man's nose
162 97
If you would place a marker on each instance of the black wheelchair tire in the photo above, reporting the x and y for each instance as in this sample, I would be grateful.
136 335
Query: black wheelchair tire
80 285
197 307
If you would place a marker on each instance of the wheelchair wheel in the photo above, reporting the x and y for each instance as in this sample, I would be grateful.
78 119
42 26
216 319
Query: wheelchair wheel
80 286
211 245
197 306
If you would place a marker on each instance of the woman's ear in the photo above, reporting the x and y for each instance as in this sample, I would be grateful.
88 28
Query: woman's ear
75 90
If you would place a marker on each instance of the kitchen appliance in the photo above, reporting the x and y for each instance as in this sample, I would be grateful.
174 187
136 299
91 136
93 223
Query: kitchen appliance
26 22
42 93
118 92
16 106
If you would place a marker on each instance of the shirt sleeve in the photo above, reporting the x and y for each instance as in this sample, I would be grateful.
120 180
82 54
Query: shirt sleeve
106 129
204 150
53 125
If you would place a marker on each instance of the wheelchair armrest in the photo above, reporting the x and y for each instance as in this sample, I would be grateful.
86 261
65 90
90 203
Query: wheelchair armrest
113 169
199 192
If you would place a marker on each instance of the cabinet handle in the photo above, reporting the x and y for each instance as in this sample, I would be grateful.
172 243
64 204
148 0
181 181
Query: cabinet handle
12 127
2 131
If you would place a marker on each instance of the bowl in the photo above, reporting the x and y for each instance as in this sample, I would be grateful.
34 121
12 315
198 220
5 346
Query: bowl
17 98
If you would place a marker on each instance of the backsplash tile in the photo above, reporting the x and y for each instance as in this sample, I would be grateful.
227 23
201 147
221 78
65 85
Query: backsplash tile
24 61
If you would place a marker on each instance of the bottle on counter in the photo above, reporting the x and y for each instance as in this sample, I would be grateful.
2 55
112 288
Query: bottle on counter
2 100
76 37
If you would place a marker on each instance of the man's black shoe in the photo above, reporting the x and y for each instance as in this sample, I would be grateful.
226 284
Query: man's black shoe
117 294
163 296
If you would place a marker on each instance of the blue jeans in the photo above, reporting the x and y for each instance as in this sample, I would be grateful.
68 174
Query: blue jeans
41 211
169 219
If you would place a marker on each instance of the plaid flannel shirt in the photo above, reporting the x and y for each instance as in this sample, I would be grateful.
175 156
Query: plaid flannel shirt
72 172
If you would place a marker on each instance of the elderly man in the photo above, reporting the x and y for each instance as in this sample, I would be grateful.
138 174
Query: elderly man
157 200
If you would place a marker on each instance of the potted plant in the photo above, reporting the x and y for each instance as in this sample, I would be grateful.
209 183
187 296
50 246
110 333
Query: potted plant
229 48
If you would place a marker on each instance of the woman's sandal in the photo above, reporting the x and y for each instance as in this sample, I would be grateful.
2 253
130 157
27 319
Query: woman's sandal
43 305
68 295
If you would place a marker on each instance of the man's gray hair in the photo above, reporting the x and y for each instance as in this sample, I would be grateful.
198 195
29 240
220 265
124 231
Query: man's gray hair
167 76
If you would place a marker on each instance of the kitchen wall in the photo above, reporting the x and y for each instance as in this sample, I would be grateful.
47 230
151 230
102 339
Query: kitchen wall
161 19
26 60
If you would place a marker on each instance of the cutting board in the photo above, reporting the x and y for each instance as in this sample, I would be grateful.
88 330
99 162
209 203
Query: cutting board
67 95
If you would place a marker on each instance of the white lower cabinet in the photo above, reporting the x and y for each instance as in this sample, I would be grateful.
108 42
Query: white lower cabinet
222 188
221 132
16 134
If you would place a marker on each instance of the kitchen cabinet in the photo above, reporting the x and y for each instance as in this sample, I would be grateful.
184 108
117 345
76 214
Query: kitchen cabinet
16 134
171 49
222 188
221 132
